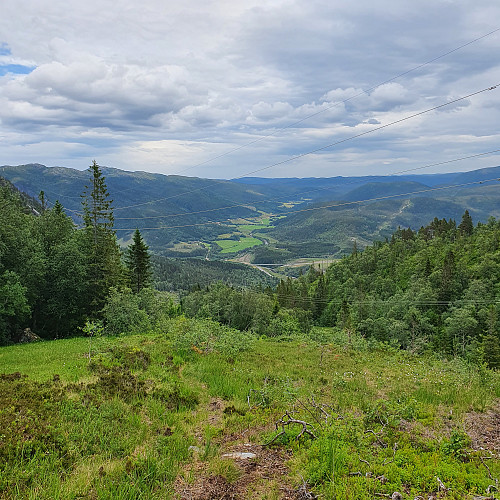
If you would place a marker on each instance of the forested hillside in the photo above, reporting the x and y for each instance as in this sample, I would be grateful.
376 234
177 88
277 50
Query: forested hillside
435 289
181 275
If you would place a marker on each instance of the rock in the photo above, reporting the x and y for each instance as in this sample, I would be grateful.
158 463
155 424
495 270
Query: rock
396 496
240 455
28 336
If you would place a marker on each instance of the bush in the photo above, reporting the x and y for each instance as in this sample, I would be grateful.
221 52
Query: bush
289 323
204 336
126 312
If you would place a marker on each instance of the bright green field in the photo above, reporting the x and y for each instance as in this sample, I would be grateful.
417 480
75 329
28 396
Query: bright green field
230 246
120 427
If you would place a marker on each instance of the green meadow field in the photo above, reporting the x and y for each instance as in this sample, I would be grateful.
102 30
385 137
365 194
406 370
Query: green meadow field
165 415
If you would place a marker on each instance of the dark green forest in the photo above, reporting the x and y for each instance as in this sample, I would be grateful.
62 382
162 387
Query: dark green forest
53 276
432 289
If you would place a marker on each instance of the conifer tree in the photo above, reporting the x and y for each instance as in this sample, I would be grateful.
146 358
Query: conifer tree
104 260
138 263
466 227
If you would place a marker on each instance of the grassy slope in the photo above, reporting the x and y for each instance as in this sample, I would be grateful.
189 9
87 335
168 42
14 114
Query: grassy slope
125 432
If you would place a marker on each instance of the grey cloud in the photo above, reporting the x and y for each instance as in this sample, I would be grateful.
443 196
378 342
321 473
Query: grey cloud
228 72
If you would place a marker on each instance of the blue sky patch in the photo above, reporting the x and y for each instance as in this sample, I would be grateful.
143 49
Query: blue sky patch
16 69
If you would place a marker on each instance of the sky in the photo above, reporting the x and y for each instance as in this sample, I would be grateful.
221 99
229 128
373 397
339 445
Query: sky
234 88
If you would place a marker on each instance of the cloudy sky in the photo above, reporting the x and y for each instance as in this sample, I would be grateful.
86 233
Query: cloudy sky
227 88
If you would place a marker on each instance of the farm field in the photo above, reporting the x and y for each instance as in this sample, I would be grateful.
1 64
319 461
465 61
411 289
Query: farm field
231 246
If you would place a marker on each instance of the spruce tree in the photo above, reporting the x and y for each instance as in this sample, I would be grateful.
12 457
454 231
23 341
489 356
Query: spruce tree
104 259
466 227
138 263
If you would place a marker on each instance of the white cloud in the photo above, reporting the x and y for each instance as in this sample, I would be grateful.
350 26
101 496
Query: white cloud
163 83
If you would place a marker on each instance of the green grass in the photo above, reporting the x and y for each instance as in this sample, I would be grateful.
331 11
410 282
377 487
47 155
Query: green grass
232 246
121 426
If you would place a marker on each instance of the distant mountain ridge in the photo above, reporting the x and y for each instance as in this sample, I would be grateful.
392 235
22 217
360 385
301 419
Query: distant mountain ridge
197 209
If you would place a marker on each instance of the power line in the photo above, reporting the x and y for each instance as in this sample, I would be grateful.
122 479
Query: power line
328 206
338 103
394 195
267 200
336 143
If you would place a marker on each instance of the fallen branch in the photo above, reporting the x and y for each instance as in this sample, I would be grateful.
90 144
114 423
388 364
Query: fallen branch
441 485
393 455
289 421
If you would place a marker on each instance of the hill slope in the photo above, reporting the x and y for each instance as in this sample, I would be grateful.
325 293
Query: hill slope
173 209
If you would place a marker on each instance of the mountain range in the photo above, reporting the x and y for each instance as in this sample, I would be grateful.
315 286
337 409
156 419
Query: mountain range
305 217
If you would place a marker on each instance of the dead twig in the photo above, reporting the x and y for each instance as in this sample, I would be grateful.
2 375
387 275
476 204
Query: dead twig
487 468
309 411
302 492
287 420
393 455
320 407
250 394
441 485
377 434
495 486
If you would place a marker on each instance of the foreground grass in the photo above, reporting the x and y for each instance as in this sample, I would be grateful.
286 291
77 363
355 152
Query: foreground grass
120 425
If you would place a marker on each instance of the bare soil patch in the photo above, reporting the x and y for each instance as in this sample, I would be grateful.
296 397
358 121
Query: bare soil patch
265 476
484 429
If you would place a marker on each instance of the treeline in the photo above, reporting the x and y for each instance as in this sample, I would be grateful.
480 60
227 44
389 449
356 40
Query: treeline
248 309
54 277
436 289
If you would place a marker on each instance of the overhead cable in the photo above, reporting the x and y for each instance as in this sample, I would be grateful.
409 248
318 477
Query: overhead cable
324 206
328 146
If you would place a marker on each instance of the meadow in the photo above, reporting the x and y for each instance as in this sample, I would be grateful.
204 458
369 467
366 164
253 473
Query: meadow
232 246
165 415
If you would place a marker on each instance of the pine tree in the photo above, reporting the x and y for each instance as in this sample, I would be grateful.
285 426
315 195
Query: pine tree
138 263
104 260
466 227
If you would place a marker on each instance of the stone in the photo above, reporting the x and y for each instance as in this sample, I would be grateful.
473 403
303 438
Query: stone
240 455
